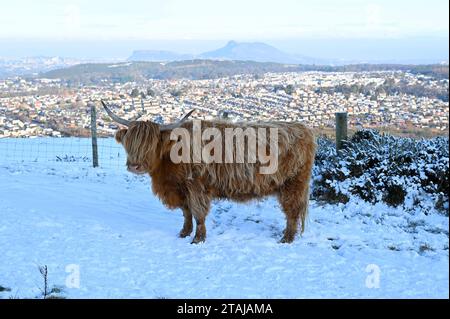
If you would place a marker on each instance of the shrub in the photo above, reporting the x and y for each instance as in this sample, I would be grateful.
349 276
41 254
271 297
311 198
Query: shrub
382 168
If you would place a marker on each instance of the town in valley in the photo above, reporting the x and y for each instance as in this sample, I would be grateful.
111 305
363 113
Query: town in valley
41 106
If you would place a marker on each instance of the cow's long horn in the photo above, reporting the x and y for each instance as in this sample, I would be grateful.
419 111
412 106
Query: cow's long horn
168 127
114 116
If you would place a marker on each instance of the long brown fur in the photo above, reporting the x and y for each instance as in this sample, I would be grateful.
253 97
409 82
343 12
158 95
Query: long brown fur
192 186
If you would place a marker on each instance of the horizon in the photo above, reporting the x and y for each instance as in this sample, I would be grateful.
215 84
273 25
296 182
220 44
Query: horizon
429 50
352 30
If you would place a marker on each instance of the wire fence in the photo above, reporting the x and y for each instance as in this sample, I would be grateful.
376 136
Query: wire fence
74 150
79 151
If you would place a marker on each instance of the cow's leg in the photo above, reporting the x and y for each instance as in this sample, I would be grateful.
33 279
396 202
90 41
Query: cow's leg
293 197
198 200
200 208
200 230
187 225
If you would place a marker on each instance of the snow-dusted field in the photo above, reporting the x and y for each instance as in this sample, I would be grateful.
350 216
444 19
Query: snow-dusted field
107 224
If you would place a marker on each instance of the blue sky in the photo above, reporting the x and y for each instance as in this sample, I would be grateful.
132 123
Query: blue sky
222 20
397 30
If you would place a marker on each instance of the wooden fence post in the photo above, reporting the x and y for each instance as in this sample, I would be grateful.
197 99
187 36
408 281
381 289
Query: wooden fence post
341 129
94 134
224 115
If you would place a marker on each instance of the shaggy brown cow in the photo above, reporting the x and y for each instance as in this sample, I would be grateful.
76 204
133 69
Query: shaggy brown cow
192 186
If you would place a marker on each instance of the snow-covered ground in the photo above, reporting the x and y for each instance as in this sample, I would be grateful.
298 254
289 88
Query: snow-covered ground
107 224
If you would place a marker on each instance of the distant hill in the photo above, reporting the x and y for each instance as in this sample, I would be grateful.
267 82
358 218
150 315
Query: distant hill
158 56
237 51
190 69
93 73
246 51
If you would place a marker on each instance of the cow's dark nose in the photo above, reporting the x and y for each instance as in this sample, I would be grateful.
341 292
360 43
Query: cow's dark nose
134 167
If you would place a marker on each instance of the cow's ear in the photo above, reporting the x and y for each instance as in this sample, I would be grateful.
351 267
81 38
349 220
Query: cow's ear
120 134
166 143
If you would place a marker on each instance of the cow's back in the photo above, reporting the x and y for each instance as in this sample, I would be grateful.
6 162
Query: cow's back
245 181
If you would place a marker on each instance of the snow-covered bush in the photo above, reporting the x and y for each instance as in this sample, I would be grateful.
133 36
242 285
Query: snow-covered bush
377 167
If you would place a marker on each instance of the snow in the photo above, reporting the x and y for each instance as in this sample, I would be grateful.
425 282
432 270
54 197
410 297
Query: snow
119 65
107 223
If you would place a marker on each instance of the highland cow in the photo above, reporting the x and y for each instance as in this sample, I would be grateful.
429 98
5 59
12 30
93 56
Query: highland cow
191 186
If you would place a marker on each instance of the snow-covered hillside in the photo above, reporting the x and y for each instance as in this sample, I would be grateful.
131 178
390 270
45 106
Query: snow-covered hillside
107 224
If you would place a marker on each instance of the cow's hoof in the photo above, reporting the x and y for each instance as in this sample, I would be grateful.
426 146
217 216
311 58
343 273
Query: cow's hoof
286 240
184 233
198 240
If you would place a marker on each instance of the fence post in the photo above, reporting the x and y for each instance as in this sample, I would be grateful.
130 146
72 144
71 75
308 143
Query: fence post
94 134
224 115
341 129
